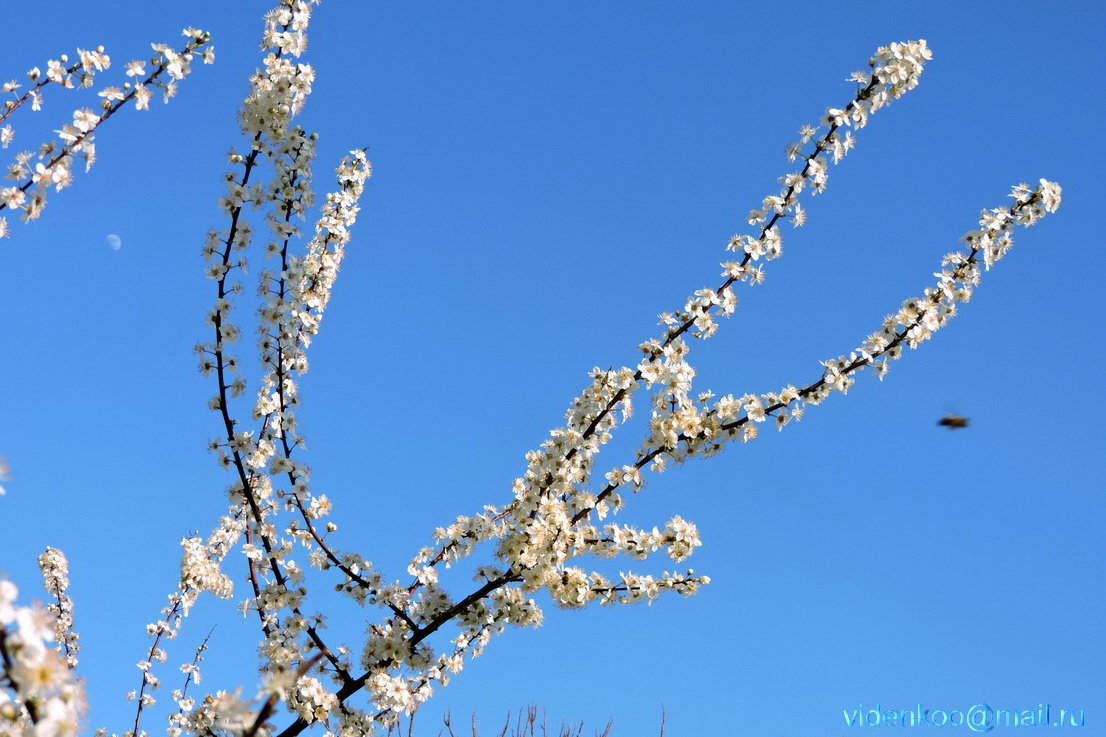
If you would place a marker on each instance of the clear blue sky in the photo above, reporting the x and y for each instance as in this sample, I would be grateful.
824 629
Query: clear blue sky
549 177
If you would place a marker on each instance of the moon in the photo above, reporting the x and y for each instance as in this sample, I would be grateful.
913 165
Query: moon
115 241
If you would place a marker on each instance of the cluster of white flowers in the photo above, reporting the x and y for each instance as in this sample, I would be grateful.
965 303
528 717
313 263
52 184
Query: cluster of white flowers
185 703
221 712
199 572
55 579
39 695
200 569
52 164
279 91
679 539
311 701
539 536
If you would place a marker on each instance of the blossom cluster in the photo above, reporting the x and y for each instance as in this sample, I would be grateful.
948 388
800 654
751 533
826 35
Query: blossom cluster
199 572
39 693
55 579
35 172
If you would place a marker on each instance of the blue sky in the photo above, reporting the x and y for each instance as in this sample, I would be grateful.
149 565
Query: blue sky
548 178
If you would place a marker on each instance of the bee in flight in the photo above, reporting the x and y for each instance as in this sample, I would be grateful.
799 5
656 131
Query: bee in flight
953 422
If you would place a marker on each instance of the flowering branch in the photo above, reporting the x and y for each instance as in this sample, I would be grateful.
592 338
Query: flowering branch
546 525
56 72
54 167
893 71
55 578
915 322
